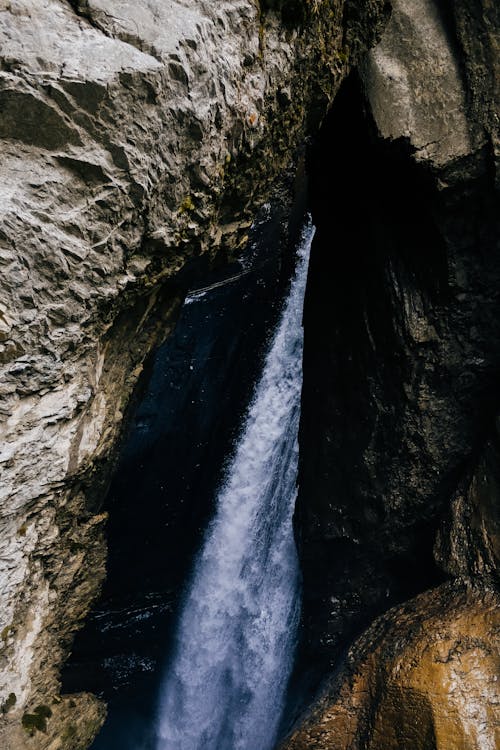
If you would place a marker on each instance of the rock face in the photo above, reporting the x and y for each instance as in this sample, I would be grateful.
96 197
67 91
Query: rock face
414 85
399 441
400 369
423 676
137 140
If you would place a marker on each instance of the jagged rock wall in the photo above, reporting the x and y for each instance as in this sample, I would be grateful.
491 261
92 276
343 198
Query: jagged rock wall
399 444
137 139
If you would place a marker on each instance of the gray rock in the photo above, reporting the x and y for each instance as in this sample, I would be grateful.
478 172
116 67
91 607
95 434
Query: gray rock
135 137
414 84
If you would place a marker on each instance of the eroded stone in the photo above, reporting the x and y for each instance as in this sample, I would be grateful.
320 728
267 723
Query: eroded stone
425 676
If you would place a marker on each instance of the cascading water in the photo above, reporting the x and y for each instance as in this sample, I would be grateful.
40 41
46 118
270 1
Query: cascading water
225 686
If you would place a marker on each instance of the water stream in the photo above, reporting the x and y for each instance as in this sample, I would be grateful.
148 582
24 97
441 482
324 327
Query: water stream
225 684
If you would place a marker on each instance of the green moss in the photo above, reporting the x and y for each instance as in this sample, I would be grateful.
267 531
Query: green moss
8 703
186 205
33 722
6 632
69 733
37 721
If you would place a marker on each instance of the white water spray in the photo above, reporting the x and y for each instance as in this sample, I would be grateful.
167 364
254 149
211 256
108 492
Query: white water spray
225 687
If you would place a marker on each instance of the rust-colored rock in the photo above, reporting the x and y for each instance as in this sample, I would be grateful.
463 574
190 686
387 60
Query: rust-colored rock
423 677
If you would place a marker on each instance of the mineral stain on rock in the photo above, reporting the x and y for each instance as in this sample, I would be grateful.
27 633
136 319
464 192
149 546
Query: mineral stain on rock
423 676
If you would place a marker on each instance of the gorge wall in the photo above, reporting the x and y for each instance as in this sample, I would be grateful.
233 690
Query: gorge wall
138 139
399 438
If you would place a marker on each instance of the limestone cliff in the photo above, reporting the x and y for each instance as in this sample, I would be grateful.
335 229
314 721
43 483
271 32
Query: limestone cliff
137 140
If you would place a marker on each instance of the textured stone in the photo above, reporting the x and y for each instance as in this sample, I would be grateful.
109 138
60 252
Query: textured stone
468 541
424 676
137 140
414 84
77 719
474 27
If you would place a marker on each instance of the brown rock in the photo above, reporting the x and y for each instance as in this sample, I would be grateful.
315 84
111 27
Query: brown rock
78 717
423 677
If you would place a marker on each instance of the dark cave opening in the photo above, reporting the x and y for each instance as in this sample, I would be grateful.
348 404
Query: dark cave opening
376 238
191 402
184 420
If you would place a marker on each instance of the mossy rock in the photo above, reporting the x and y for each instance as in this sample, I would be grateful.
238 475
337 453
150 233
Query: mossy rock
7 631
187 205
37 721
8 703
293 12
69 733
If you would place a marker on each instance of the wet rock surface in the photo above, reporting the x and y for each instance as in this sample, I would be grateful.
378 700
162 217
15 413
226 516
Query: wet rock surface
423 676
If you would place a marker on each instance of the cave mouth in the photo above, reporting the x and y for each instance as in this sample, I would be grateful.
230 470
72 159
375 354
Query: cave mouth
185 418
193 397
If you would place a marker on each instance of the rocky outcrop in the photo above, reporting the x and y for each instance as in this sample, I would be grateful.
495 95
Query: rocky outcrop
400 366
414 85
137 139
423 676
399 441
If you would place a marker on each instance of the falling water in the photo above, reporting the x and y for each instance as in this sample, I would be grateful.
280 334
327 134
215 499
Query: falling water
225 686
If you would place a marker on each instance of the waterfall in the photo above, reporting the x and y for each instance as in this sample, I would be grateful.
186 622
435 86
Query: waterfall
226 682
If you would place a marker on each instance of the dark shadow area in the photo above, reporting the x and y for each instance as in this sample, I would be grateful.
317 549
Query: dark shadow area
376 237
399 392
186 417
389 414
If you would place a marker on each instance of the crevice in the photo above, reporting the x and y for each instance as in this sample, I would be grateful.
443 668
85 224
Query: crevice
82 10
182 423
